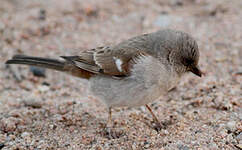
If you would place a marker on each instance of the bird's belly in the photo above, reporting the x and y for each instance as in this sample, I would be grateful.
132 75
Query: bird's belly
149 80
125 92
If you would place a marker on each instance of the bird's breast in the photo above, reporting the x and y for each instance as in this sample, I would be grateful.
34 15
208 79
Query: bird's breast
148 81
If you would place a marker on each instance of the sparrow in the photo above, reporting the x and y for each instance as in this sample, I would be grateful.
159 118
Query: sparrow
132 73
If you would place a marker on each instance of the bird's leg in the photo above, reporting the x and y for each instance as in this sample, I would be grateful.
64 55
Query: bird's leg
158 124
109 132
109 122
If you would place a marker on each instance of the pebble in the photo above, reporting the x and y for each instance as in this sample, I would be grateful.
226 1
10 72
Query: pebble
176 2
42 14
2 145
25 134
166 132
231 125
52 126
239 138
239 146
223 133
37 71
60 28
9 124
33 103
182 147
213 146
43 88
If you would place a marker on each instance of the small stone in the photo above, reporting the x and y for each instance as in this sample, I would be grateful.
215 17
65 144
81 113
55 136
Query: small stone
223 133
182 147
52 126
230 138
239 146
11 137
9 124
91 10
213 146
15 113
177 2
42 14
166 132
32 103
25 134
37 71
239 138
231 125
238 73
43 88
2 145
146 144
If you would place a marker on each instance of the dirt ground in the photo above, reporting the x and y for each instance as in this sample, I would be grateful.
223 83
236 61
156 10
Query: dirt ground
54 112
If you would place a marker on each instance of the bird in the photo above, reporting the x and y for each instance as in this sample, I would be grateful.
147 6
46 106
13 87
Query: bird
132 73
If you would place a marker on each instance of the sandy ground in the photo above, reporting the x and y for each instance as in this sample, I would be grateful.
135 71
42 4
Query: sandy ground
56 113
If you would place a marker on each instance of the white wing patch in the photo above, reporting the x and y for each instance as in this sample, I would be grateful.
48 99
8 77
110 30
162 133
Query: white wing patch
118 63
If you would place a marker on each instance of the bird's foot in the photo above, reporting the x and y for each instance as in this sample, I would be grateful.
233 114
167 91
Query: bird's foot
158 126
112 133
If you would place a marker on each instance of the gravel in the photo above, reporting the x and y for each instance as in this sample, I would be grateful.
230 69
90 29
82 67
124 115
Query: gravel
56 112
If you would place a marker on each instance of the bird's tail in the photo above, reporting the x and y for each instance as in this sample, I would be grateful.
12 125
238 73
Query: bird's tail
49 63
38 61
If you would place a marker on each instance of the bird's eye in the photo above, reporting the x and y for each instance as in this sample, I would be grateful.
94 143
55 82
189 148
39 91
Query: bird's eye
188 62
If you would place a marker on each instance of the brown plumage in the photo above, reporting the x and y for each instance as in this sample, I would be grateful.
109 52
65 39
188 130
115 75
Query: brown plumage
90 62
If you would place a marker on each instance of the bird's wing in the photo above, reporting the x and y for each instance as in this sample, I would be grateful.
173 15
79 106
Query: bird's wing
107 60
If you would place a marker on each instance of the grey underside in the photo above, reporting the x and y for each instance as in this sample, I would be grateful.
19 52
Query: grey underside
149 80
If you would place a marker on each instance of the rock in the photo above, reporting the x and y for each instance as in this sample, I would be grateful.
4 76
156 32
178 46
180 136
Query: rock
91 10
231 125
42 14
37 71
43 88
25 134
2 145
239 138
8 125
176 2
32 103
213 146
182 147
239 146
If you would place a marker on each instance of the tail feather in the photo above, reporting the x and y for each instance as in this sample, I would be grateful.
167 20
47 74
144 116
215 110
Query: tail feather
64 66
35 58
38 61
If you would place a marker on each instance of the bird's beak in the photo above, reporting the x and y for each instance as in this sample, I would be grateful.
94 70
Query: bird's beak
196 71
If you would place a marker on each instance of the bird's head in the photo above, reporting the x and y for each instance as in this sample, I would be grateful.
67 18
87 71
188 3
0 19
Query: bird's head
185 58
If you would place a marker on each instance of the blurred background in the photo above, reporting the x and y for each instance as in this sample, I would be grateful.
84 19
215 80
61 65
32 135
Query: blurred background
44 109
